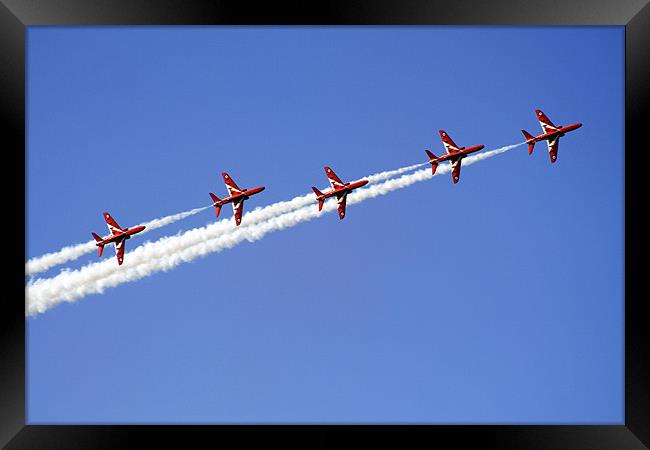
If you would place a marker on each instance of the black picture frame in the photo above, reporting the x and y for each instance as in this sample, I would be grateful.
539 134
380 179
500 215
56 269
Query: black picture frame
17 15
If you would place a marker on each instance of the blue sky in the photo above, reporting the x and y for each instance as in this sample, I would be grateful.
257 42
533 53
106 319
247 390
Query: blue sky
497 300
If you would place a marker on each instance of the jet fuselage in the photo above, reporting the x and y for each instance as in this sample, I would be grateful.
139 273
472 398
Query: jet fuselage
245 195
347 188
463 152
561 131
126 234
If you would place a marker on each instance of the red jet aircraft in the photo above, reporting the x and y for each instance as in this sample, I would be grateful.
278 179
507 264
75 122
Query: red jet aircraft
339 188
551 134
118 237
236 197
454 155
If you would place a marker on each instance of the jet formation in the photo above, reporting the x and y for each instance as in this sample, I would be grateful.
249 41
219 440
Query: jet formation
551 133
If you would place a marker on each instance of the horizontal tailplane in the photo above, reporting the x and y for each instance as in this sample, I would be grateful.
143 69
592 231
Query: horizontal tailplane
319 197
434 165
529 138
100 247
216 200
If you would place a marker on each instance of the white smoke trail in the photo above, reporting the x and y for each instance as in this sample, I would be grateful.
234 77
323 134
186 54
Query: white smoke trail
158 223
171 251
391 173
72 252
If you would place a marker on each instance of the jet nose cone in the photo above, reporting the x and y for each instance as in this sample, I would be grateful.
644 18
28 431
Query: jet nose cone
578 125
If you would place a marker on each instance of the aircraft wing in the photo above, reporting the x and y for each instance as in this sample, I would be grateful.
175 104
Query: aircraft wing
232 187
341 199
119 251
238 209
553 144
455 170
113 227
335 181
450 145
545 122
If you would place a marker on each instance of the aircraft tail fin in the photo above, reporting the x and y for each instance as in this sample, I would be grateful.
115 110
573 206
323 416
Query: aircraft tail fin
216 199
100 248
434 165
528 137
319 196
